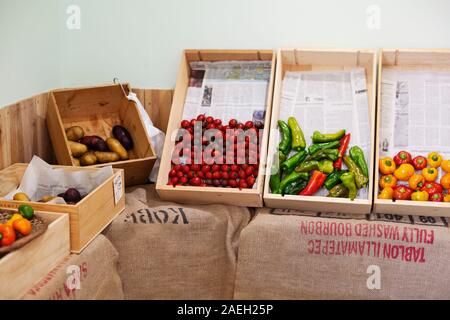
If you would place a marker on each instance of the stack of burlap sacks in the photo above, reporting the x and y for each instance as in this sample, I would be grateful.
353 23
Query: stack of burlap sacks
164 250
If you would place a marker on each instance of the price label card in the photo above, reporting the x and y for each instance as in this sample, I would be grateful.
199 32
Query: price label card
118 188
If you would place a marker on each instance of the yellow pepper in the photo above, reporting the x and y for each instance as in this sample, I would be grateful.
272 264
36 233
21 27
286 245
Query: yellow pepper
387 165
445 181
388 180
430 174
416 181
434 159
404 172
445 165
419 196
14 217
447 198
386 193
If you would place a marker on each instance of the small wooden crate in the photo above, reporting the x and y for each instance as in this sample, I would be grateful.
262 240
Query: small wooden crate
88 217
408 59
321 60
203 195
22 268
97 110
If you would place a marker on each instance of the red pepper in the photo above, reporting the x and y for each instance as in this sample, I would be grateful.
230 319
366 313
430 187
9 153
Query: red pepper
402 157
436 197
7 235
419 162
432 188
402 193
345 140
314 184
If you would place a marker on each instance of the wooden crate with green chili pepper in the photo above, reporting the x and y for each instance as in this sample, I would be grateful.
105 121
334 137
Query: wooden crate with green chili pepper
319 169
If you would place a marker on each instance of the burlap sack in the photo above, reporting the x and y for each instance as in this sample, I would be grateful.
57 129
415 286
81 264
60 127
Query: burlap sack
309 257
174 251
90 275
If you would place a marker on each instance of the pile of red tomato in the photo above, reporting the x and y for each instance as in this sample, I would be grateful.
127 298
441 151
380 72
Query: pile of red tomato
419 175
201 164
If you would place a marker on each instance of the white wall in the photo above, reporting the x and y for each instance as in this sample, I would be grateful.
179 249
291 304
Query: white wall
29 48
141 40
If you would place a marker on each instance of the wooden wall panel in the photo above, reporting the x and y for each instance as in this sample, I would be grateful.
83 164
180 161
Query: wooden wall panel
23 128
23 131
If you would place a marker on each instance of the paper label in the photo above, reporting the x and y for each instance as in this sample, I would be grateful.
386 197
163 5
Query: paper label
118 188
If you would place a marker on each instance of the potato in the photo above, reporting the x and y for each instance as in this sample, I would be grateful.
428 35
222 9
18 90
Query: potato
21 196
74 133
115 146
77 149
124 137
76 162
104 157
47 198
88 159
95 143
72 195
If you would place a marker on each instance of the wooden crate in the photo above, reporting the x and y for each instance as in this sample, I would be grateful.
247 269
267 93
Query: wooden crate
408 59
187 194
88 217
321 60
22 268
97 110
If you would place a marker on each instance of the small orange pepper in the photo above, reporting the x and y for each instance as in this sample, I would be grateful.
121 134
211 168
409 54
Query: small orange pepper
434 159
430 174
447 198
388 181
445 165
404 172
386 193
416 181
445 181
23 226
387 165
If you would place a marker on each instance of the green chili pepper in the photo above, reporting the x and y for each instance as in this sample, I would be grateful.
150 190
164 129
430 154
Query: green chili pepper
293 176
326 166
327 137
320 146
289 165
286 139
295 187
338 191
357 155
331 154
333 179
275 178
348 179
298 138
360 179
308 166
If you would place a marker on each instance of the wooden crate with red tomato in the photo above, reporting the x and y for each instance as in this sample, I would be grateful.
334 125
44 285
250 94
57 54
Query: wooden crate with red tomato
225 183
413 150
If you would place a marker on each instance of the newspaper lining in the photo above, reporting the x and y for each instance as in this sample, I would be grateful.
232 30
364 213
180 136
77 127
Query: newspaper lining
416 106
328 102
41 179
228 89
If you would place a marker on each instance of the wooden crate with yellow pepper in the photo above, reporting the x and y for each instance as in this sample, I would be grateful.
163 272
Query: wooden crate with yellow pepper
409 182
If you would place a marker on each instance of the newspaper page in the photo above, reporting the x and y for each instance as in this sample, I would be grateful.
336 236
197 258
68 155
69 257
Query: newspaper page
415 112
328 102
228 89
